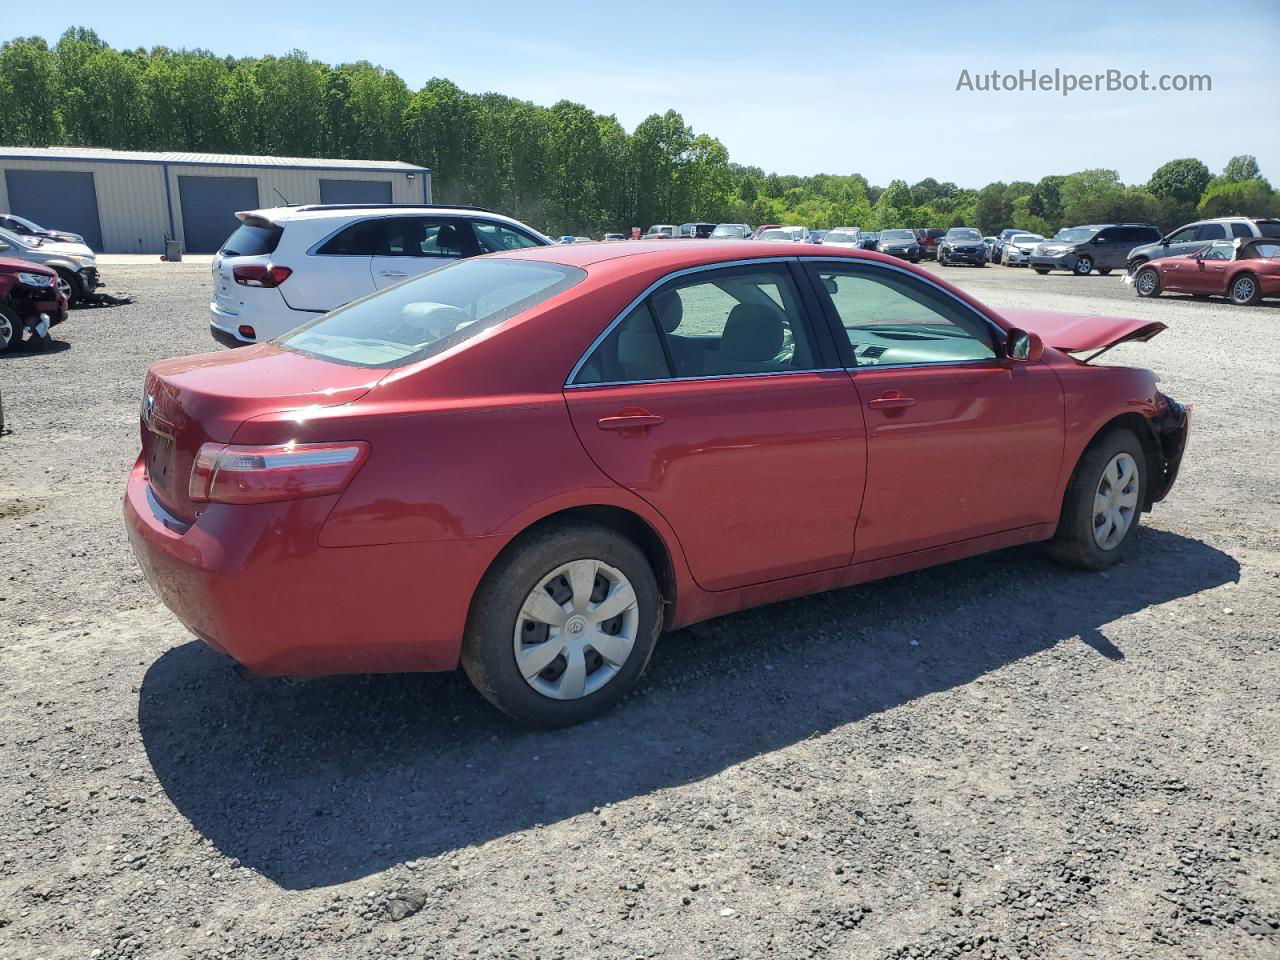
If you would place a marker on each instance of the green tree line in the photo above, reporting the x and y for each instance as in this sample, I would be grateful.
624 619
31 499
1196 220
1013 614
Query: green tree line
563 168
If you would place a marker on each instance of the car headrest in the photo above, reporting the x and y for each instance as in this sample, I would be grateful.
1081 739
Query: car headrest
447 236
753 332
670 310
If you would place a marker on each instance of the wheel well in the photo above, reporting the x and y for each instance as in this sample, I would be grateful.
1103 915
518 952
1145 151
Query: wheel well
623 522
1140 427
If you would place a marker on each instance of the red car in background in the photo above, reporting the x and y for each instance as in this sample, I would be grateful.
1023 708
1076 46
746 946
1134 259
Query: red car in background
534 462
30 302
1242 270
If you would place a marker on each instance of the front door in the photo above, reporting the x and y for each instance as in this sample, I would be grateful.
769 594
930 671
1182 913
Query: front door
714 402
960 441
409 246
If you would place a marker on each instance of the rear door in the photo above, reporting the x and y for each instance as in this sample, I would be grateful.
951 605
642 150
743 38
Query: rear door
409 246
714 401
960 442
333 271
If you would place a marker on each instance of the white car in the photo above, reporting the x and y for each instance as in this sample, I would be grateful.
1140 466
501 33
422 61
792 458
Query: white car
284 266
786 235
1018 249
75 264
846 237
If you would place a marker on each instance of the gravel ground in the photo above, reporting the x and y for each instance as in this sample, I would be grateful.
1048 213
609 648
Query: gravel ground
998 758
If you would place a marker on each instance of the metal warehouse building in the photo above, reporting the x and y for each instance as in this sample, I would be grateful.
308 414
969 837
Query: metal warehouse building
122 201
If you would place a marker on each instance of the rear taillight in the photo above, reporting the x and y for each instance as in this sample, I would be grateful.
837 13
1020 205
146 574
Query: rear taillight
230 473
260 275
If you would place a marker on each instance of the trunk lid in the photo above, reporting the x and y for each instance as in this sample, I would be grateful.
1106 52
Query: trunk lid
190 401
1076 332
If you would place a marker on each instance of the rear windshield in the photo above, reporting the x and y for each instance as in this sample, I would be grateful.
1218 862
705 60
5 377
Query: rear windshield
426 316
252 241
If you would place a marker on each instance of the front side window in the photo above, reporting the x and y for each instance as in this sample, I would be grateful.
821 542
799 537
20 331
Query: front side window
1211 231
891 318
1220 251
423 237
493 237
1185 235
430 314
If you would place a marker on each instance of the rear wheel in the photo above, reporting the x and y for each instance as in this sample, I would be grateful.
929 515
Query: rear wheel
1147 282
1042 270
1105 271
1103 500
563 625
1245 290
1084 266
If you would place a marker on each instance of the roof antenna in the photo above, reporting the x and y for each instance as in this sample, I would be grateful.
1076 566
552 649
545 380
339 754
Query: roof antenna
282 197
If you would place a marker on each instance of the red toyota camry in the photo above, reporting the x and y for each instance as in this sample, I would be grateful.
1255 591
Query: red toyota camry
534 462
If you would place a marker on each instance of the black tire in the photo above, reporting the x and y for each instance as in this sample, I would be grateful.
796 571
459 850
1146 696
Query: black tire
11 330
1136 264
1043 271
1105 271
1149 276
487 648
1083 267
1074 542
76 289
1245 290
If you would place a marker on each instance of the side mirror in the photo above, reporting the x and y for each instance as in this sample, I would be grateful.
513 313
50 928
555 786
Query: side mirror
1024 347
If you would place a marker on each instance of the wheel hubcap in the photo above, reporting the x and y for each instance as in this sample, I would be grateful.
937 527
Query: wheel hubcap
576 629
1084 265
65 287
1244 288
1116 501
6 331
1146 282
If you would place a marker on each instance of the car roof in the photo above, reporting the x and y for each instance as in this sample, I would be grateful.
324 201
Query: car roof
677 254
346 212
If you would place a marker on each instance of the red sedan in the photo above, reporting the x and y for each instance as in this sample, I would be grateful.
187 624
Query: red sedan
1244 271
534 462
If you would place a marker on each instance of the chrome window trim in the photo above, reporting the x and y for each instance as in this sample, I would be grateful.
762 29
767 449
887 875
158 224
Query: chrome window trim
721 265
712 376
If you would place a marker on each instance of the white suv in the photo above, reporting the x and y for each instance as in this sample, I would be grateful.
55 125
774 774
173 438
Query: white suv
285 265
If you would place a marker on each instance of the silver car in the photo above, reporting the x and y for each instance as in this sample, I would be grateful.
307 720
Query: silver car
75 264
1019 247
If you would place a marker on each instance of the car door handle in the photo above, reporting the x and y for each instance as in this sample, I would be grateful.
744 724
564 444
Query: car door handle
630 421
392 273
891 402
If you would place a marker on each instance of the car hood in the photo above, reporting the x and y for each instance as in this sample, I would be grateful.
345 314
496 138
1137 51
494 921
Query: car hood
9 265
60 248
1075 332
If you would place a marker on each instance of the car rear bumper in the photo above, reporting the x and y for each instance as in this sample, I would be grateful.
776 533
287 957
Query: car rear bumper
252 582
267 320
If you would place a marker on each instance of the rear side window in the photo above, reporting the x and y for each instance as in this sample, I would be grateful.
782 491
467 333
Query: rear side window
426 316
1241 230
1211 231
1269 228
252 240
1146 235
358 240
632 353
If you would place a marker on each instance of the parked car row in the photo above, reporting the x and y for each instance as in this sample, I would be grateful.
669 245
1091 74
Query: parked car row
75 265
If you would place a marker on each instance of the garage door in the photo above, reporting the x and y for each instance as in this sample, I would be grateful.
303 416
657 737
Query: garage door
57 200
209 206
355 191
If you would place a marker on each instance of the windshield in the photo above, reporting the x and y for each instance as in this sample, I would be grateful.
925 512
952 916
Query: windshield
897 235
775 235
1074 234
840 236
423 317
964 233
1027 238
15 240
729 230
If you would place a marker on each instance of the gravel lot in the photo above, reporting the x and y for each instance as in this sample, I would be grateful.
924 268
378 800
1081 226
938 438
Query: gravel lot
999 758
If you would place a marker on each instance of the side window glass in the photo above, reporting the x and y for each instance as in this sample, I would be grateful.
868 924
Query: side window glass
1219 251
734 321
1241 230
358 240
1185 235
631 353
1210 231
422 237
493 237
890 318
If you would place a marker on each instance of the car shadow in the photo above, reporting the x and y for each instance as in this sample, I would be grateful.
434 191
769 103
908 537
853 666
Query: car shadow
25 349
331 780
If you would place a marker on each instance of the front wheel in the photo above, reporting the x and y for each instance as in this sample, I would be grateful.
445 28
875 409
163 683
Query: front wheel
1084 266
1147 283
10 330
1105 271
1102 503
70 285
1245 290
563 625
1043 271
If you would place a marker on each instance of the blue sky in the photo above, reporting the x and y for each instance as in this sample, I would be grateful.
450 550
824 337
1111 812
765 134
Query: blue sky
799 87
